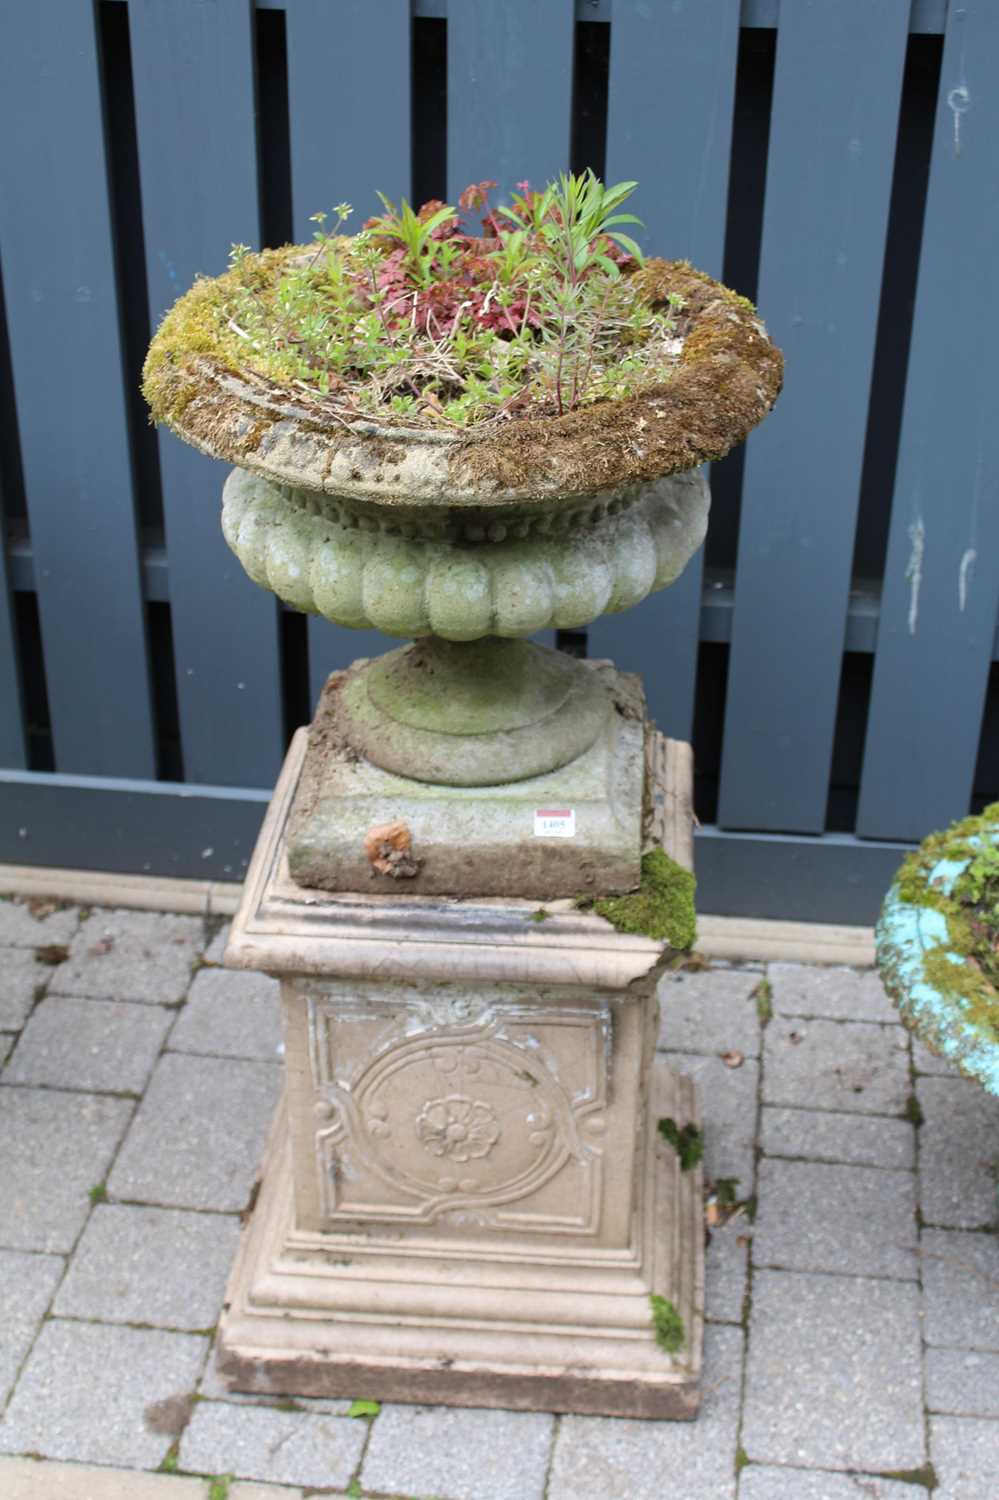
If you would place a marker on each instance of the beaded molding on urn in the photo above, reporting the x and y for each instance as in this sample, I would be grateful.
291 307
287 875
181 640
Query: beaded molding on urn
466 577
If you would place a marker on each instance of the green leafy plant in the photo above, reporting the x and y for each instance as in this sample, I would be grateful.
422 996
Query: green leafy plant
421 319
687 1141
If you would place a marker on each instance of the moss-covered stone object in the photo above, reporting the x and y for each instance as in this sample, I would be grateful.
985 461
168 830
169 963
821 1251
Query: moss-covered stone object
667 1323
661 908
938 945
198 381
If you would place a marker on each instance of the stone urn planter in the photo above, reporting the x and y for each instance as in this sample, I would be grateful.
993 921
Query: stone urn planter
938 945
475 867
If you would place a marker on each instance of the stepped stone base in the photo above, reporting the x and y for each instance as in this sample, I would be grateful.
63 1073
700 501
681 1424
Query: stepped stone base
475 840
466 1198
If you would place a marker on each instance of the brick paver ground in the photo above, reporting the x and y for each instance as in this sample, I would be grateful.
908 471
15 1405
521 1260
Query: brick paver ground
852 1348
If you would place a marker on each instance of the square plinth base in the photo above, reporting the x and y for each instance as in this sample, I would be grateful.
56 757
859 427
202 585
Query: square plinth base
308 1315
476 840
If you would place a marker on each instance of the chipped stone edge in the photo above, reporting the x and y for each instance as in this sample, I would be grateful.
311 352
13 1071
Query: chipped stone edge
735 938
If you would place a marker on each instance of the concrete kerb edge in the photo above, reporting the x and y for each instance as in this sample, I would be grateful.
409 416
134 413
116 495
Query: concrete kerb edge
739 939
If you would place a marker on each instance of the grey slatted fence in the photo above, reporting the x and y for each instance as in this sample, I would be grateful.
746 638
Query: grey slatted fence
832 655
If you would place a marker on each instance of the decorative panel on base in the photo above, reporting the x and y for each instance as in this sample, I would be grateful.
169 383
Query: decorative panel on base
466 1198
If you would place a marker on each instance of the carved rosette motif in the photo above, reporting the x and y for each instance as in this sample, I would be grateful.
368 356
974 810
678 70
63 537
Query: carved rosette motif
465 1116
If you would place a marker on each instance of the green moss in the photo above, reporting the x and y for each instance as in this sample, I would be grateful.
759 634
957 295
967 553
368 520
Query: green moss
764 996
688 1142
219 1487
741 1459
541 915
667 1323
926 1476
970 910
913 1111
662 907
98 1193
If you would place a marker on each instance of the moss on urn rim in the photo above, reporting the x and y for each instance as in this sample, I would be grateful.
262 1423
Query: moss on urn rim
727 379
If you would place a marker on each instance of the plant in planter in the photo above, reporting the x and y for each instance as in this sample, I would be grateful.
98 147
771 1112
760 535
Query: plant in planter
938 945
466 438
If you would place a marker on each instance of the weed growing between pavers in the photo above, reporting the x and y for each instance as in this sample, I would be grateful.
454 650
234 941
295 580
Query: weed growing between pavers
218 1489
763 994
667 1323
913 1111
926 1476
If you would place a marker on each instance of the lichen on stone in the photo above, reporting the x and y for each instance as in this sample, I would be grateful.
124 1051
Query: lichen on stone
661 908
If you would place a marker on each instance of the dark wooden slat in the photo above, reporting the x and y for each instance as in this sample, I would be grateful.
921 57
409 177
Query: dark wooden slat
509 65
675 142
12 741
334 54
66 353
938 608
349 98
194 97
836 100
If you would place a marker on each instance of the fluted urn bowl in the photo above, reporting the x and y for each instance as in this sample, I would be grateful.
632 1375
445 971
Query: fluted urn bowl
471 540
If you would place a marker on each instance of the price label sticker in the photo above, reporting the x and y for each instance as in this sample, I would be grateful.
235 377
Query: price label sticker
554 822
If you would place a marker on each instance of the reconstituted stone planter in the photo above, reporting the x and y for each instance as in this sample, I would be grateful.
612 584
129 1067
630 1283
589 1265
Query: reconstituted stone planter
467 1197
927 957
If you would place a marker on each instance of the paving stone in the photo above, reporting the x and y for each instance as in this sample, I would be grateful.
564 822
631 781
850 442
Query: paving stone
841 994
834 1377
22 979
963 1382
27 1283
198 1133
231 1013
54 1148
961 1289
822 1135
28 1479
760 1482
216 948
966 1458
160 1266
616 1459
281 1446
725 1270
453 1453
90 1044
213 1389
21 928
841 1065
925 1061
87 1389
814 1216
131 955
728 1101
710 1012
958 1152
